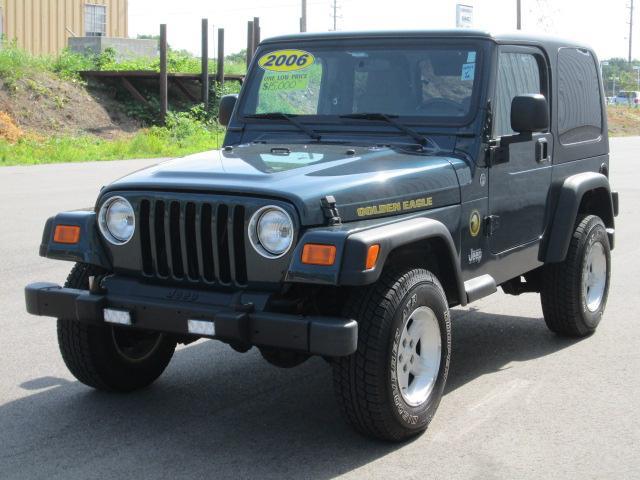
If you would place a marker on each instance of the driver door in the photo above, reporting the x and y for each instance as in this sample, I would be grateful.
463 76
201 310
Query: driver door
518 189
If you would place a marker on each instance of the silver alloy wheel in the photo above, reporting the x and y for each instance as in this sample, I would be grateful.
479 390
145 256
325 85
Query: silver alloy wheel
418 359
594 276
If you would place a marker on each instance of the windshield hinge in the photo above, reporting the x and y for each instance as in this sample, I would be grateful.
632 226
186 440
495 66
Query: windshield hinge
496 154
330 210
488 122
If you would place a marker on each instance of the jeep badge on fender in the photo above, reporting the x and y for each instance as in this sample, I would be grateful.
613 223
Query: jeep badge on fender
368 183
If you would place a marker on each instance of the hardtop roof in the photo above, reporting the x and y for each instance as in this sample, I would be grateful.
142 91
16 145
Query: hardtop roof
544 41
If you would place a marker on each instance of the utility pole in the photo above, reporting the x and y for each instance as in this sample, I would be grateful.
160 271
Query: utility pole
221 60
250 43
205 63
256 33
630 29
519 14
335 14
164 80
303 18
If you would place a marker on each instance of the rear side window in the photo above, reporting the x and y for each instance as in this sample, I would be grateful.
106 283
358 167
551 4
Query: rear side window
518 74
579 105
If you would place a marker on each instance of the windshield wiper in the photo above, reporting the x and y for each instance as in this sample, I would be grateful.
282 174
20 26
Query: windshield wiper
391 119
290 118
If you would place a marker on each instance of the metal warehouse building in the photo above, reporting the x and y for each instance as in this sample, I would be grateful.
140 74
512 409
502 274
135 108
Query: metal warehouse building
43 26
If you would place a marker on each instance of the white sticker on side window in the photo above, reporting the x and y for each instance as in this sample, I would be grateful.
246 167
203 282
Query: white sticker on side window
471 57
468 71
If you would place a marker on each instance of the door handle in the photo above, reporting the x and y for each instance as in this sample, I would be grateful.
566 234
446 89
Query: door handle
542 150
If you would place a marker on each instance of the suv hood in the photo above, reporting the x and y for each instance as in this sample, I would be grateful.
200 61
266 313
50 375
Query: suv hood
365 181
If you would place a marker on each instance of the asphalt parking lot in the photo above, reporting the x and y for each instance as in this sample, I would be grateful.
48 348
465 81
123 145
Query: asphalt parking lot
520 402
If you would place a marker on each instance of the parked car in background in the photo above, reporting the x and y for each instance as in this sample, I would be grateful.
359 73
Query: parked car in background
627 98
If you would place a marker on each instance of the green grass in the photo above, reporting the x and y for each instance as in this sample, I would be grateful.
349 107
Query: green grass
182 136
177 62
185 132
16 63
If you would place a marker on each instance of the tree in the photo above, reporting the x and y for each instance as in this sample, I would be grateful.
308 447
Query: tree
237 57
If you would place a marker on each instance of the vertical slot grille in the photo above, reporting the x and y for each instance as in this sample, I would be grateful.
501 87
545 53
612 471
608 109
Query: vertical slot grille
160 241
238 250
192 241
206 224
174 235
223 243
145 238
190 237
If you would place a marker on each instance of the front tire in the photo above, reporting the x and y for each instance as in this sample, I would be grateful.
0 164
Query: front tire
107 357
391 387
574 292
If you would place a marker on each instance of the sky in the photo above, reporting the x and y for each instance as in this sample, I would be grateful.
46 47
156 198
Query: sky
603 25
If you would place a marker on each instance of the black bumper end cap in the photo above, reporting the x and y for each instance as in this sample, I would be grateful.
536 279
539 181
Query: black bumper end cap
333 338
32 295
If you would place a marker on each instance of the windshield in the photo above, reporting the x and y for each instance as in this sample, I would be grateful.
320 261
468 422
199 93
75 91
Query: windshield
435 81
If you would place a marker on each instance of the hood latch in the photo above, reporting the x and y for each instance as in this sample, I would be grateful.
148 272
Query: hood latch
330 210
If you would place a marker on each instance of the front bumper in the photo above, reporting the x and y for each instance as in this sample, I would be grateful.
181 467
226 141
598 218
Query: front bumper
235 317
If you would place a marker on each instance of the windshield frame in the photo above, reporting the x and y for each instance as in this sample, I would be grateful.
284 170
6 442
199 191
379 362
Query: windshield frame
481 47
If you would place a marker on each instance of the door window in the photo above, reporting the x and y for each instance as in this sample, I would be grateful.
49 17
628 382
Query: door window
518 74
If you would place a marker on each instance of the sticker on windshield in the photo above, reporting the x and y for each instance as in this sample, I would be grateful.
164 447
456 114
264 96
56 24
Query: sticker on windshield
471 57
468 71
286 60
287 81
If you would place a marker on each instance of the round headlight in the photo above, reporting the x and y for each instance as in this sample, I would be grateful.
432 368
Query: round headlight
271 232
117 220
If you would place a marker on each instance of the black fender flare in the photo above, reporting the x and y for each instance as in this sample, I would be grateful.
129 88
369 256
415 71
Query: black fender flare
390 238
568 204
352 248
88 250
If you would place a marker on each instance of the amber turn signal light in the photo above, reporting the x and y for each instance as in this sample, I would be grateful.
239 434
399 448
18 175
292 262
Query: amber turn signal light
317 254
69 234
372 256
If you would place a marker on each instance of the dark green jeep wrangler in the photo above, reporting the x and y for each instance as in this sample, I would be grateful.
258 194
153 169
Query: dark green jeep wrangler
368 183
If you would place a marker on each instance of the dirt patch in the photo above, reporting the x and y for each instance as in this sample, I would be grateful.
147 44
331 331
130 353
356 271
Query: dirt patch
47 106
9 131
623 121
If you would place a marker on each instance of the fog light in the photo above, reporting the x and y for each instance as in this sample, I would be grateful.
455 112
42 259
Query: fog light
202 327
119 317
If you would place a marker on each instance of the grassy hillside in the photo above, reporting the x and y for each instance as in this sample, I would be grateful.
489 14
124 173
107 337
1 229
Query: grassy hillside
48 114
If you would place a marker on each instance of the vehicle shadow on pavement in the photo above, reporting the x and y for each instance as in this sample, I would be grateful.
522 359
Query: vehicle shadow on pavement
485 343
219 414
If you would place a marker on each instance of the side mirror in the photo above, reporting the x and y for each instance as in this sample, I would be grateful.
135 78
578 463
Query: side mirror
529 113
227 104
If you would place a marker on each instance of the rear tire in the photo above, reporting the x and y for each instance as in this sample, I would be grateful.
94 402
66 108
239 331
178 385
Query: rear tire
391 387
574 292
107 357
